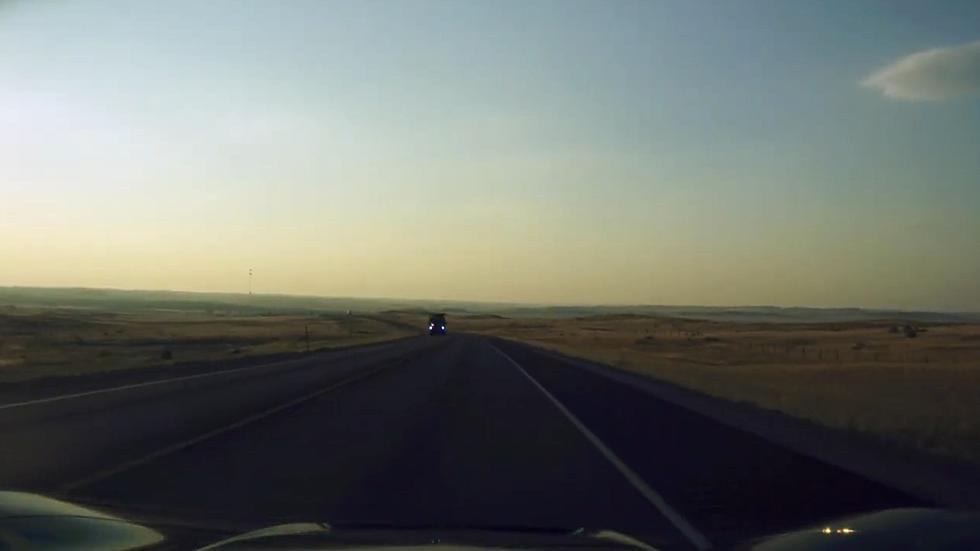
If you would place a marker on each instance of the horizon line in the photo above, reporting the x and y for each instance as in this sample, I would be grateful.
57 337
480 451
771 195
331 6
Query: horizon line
518 304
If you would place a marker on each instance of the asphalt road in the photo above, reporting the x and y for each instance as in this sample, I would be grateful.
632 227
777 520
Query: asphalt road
442 431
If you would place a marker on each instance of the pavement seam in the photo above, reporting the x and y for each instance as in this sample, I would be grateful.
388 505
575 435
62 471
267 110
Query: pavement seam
127 465
679 522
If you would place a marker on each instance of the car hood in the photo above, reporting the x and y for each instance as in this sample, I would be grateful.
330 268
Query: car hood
35 522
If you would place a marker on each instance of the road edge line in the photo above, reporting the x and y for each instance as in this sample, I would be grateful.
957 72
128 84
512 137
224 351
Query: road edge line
131 464
933 480
144 384
109 390
679 522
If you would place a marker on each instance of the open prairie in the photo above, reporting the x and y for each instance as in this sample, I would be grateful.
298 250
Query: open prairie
42 342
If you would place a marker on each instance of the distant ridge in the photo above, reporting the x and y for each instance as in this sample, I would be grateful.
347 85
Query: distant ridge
116 299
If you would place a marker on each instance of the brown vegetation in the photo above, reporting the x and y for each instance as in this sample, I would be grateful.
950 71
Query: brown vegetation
44 342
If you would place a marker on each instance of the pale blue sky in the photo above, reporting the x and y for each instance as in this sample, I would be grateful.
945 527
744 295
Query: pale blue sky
622 152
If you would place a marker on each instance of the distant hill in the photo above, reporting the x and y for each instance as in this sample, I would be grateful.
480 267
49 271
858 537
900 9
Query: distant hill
122 300
748 314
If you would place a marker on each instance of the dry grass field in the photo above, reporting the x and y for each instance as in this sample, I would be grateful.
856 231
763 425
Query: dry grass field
870 377
36 342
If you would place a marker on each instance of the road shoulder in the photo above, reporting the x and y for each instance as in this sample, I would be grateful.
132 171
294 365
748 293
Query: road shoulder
945 482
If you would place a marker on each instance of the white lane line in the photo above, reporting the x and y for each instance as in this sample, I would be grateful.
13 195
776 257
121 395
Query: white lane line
690 532
106 473
132 386
143 385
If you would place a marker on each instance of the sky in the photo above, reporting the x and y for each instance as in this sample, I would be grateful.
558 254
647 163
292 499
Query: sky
654 152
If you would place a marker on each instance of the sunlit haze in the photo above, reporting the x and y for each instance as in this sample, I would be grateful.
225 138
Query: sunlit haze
784 153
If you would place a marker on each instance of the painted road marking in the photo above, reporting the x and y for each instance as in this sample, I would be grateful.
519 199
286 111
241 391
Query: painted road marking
135 385
122 467
145 384
690 532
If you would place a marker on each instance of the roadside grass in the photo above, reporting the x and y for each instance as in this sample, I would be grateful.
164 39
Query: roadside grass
921 392
42 342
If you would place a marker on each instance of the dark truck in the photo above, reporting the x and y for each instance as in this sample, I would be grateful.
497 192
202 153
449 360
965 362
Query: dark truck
437 324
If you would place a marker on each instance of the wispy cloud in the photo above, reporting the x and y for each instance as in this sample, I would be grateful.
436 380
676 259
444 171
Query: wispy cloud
930 75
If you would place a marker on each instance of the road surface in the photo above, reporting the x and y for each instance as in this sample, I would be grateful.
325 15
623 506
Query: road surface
433 431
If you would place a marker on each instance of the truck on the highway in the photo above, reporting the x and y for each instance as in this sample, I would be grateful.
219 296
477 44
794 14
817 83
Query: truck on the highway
437 324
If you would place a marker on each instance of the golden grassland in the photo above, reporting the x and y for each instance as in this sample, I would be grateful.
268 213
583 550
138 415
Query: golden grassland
37 343
868 377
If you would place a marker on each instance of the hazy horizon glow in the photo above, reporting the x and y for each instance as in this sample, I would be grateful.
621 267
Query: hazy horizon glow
546 152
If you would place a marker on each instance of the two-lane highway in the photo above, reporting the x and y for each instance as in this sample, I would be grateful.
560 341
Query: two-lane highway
450 431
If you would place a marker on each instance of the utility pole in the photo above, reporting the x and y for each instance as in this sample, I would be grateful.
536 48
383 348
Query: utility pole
249 282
